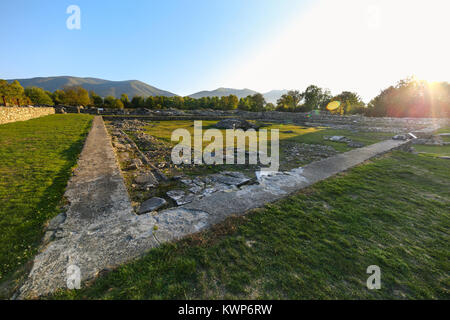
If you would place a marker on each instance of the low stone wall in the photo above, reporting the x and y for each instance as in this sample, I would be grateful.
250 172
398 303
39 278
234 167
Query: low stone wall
13 114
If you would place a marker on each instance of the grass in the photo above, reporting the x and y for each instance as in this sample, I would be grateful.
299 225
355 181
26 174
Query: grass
36 161
316 244
436 151
289 136
287 132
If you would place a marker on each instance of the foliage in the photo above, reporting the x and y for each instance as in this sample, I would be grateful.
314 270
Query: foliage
12 92
76 96
412 98
313 98
38 96
351 103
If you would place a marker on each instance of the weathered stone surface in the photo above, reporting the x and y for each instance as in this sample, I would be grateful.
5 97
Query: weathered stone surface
234 124
151 205
400 137
336 138
147 179
13 114
236 180
354 144
180 197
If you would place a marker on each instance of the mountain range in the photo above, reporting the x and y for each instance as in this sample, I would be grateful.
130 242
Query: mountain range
133 88
271 96
102 87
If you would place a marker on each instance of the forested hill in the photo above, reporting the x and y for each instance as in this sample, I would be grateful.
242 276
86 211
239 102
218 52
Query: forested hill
102 87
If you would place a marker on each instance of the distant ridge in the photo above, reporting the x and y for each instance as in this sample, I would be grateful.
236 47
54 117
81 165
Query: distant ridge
274 95
271 96
102 87
220 92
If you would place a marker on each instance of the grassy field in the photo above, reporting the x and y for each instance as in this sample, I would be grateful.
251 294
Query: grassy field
36 161
290 135
436 151
287 133
316 244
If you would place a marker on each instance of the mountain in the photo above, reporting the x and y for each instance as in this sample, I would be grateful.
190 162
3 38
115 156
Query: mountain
240 93
102 87
271 96
274 95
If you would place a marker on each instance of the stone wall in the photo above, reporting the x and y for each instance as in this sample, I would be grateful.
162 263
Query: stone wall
13 114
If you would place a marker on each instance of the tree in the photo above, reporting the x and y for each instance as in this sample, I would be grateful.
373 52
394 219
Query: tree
118 104
138 102
412 98
315 98
12 91
124 99
351 103
76 96
270 107
58 97
96 99
109 102
38 96
244 104
289 101
257 102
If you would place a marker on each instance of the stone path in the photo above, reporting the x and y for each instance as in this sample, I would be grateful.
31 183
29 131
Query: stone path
100 229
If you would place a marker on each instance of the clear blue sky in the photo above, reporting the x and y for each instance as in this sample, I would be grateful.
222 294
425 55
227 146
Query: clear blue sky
186 46
180 46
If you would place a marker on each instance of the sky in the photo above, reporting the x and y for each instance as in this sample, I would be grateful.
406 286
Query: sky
187 46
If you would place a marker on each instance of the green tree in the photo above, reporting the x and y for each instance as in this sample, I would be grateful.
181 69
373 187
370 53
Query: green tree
76 96
38 96
96 99
138 102
412 98
315 98
110 102
118 104
289 101
244 104
257 102
351 103
124 99
58 97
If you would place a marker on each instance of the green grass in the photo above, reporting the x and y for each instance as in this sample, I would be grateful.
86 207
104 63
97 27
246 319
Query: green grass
287 132
289 136
163 130
436 151
391 212
36 161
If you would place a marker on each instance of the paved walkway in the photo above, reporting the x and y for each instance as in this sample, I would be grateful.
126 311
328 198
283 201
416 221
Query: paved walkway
100 229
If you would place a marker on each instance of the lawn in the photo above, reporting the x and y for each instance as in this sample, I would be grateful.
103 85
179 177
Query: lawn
316 244
287 132
36 161
290 135
436 151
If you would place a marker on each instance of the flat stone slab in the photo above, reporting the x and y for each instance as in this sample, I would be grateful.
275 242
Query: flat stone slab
151 205
100 229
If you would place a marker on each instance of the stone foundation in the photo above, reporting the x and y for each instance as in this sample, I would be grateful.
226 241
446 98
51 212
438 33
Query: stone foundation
13 114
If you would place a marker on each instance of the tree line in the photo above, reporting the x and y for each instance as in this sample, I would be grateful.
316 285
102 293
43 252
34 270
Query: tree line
408 98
